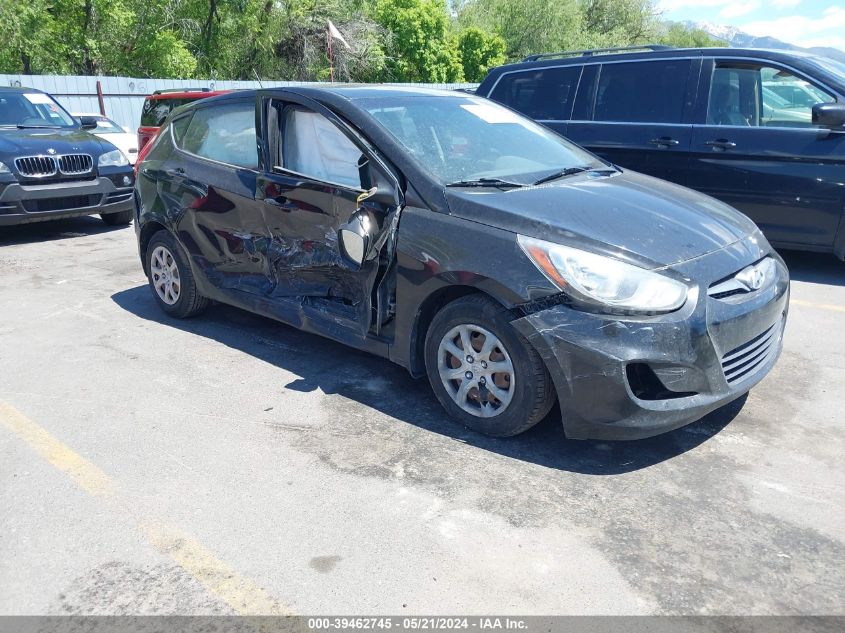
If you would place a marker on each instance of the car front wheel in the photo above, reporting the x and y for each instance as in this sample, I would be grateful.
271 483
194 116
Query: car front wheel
483 372
171 279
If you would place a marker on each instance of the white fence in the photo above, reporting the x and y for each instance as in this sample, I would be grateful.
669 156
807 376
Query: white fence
123 97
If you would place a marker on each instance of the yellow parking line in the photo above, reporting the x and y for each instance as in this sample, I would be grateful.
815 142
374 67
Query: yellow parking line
86 475
821 306
242 594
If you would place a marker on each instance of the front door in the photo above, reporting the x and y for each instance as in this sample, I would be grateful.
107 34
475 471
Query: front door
758 151
309 190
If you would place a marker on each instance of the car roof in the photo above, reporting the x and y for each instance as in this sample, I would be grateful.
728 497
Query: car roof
19 89
347 92
186 94
663 53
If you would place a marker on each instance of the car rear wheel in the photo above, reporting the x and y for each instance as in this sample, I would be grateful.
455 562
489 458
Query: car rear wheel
121 218
170 278
483 372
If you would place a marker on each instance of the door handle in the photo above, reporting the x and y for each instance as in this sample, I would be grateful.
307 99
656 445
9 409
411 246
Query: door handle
665 141
721 144
176 171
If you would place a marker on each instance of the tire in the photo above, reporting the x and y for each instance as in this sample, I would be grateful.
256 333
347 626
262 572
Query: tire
526 395
167 262
120 218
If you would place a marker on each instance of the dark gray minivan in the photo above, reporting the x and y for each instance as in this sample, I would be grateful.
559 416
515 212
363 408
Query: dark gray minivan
763 131
467 243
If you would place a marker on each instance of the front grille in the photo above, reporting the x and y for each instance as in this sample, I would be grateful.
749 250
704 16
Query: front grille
64 203
36 166
739 363
71 164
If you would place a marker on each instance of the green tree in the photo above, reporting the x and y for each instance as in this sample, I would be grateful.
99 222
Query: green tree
678 35
479 52
422 48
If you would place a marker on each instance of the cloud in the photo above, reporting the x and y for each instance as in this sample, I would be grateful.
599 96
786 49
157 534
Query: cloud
785 4
673 5
826 30
740 8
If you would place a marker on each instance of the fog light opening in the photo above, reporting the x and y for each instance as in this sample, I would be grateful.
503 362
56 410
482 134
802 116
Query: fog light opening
646 385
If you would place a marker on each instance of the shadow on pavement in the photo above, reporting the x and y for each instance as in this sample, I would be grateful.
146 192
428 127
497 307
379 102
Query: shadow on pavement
54 230
336 369
815 268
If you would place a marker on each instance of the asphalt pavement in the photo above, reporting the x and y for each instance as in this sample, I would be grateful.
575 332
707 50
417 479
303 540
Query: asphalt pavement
230 464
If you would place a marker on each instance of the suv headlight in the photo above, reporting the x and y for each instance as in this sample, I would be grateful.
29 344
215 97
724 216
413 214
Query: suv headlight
4 169
603 282
114 158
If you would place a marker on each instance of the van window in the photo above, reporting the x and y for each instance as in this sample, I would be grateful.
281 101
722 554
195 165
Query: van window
761 96
544 94
225 133
648 92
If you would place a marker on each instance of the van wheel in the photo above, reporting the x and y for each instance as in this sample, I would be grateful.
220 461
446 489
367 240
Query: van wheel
171 279
483 372
121 218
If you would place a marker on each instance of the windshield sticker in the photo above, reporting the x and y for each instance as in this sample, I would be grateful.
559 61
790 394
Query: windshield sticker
37 97
492 114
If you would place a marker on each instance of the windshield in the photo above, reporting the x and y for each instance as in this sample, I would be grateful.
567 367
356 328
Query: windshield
32 109
467 138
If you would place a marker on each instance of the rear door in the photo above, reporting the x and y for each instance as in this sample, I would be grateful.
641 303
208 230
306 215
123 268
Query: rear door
635 114
756 149
212 178
544 94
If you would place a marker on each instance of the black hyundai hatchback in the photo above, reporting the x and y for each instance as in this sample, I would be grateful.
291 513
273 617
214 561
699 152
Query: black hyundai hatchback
52 168
466 243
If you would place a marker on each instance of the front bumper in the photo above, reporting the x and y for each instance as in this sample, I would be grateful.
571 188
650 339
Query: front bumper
23 203
604 367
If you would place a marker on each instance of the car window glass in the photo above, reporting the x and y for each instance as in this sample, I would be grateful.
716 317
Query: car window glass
544 94
32 109
463 138
313 146
652 92
179 127
155 111
225 133
761 96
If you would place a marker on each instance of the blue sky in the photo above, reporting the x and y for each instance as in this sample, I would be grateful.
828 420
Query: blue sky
799 22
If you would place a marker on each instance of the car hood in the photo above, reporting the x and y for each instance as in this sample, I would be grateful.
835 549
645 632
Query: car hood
31 141
628 215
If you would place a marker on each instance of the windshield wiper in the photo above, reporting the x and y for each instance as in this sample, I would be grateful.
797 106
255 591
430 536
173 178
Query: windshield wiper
31 127
568 171
485 182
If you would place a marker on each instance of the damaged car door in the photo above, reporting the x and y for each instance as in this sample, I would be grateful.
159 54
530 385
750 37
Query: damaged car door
320 178
210 185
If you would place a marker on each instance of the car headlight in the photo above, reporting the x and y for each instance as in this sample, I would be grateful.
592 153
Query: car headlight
114 158
4 169
602 282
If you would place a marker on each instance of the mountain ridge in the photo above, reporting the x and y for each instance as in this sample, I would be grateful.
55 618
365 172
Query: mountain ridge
737 38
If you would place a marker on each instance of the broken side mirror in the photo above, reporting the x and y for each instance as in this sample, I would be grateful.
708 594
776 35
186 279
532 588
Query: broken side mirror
356 237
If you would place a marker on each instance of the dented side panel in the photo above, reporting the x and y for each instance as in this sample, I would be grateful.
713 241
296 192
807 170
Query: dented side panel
437 252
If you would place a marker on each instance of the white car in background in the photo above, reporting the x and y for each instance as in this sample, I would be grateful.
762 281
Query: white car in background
105 128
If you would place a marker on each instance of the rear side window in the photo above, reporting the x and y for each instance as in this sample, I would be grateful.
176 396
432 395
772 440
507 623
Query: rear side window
648 92
224 133
155 111
544 94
